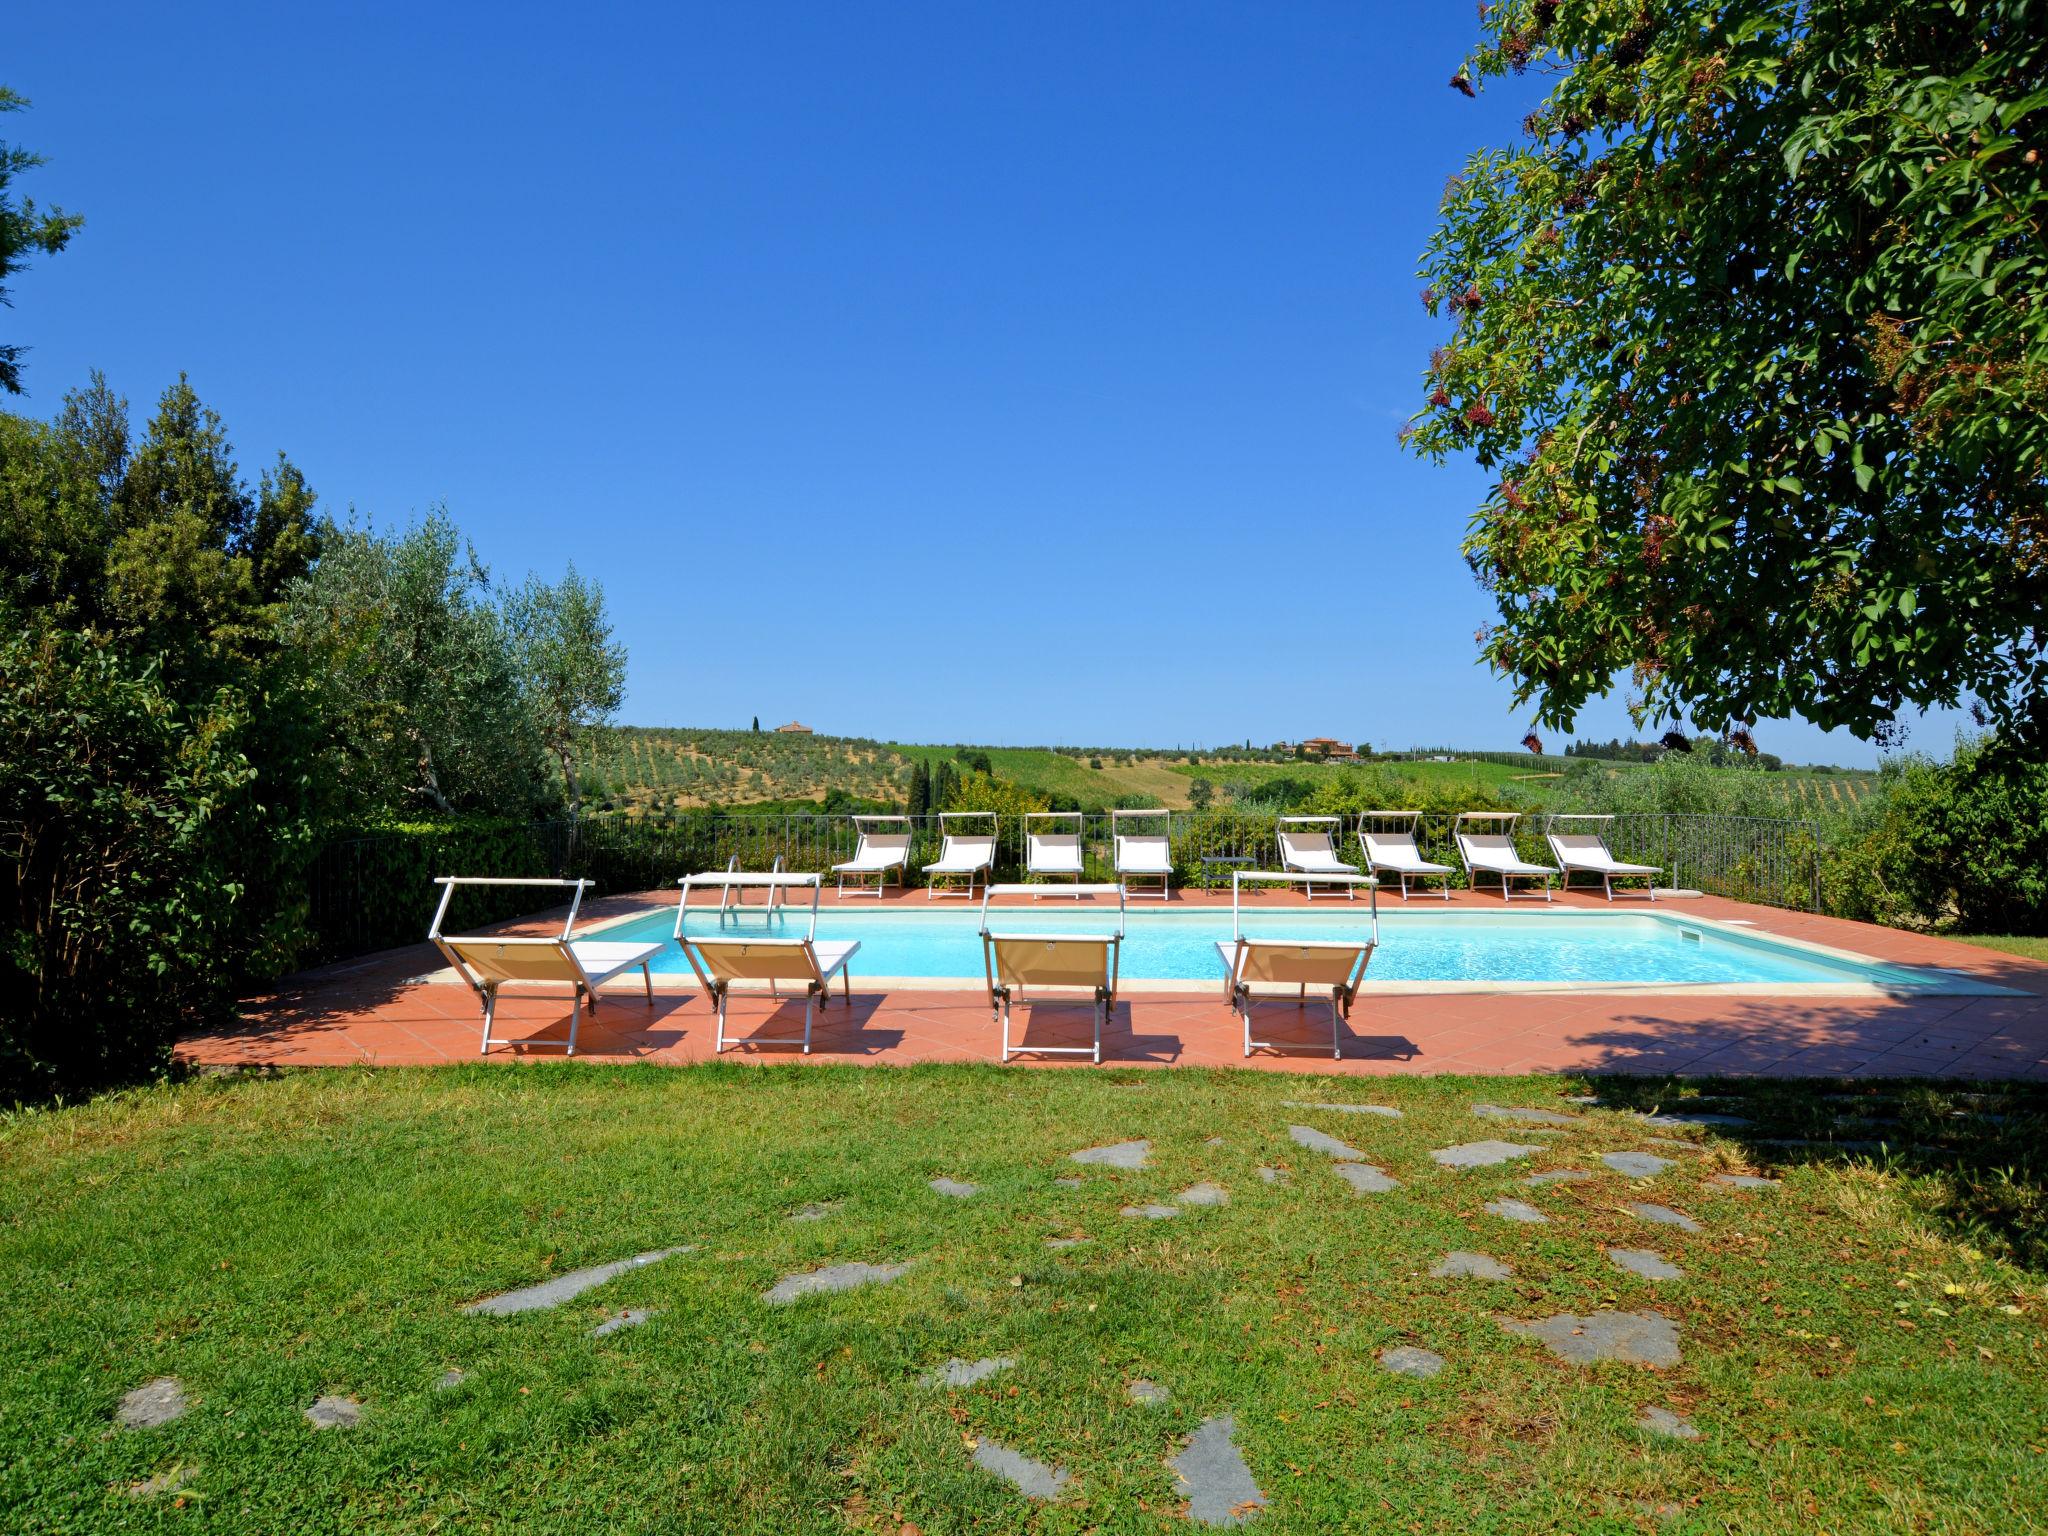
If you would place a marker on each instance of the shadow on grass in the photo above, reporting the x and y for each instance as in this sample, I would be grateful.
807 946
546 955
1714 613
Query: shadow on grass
1968 1154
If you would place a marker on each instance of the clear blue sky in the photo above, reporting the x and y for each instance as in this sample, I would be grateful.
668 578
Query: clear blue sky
934 371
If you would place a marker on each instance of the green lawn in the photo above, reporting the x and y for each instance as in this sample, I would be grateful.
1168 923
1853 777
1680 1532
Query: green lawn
2011 944
1861 1352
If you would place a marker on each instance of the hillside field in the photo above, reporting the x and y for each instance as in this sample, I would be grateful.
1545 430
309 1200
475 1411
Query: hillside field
653 768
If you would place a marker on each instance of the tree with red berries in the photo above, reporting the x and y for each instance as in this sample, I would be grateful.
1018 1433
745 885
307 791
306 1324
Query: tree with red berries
1751 324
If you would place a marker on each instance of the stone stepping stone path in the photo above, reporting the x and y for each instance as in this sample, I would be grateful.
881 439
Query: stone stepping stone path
450 1379
1386 1111
1033 1479
1407 1360
153 1403
552 1293
1635 1338
1124 1154
1480 1154
1308 1136
334 1412
954 1188
834 1277
1645 1262
965 1373
1742 1181
1204 1194
1526 1116
1558 1176
1152 1212
1637 1165
1679 1119
813 1212
1662 1421
1213 1478
1273 1175
1664 1216
1365 1179
1516 1210
1065 1242
1070 1183
630 1317
1460 1265
1150 1392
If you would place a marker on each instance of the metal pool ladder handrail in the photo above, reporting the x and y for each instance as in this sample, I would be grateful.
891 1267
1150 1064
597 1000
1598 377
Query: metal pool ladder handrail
729 880
1299 877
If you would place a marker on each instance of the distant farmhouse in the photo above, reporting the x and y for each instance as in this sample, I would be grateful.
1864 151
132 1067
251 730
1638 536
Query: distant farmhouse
1329 749
794 728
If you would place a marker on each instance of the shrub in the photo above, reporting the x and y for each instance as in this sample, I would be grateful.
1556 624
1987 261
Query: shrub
129 914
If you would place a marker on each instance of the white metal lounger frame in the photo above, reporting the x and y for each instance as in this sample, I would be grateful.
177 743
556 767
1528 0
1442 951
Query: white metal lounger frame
1000 992
1125 873
1608 867
881 848
1313 825
1502 824
946 839
1373 825
1052 840
1237 987
817 985
584 978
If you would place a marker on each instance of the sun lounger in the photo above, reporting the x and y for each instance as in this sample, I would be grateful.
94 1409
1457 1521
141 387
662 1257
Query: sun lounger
884 844
1052 846
489 962
1580 843
1308 846
1387 839
1017 963
1145 854
731 955
963 853
1333 967
1486 843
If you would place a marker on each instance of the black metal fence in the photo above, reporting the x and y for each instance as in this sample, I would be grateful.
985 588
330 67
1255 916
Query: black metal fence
374 891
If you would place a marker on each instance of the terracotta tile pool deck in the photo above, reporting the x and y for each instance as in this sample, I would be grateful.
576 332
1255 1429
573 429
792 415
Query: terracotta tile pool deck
383 1010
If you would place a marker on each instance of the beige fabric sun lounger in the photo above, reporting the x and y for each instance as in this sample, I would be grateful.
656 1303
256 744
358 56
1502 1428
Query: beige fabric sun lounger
1052 846
1583 846
1015 963
1388 841
489 963
1487 845
1144 854
884 845
1334 967
732 956
963 853
1308 846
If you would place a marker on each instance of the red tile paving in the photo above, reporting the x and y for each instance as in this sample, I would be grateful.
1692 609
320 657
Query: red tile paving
380 1010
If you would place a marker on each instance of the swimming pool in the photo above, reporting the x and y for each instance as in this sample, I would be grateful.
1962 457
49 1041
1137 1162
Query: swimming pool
1591 949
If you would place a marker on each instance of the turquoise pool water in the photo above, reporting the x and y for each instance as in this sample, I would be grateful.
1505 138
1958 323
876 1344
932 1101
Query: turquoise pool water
1414 946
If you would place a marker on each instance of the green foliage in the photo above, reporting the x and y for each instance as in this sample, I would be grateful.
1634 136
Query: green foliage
1752 325
135 831
377 889
24 229
976 790
431 711
1962 843
571 672
164 769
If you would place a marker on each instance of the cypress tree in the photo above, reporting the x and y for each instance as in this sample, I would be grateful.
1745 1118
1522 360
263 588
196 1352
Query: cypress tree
919 802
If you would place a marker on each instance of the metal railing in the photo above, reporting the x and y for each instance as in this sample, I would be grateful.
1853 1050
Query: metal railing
369 892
